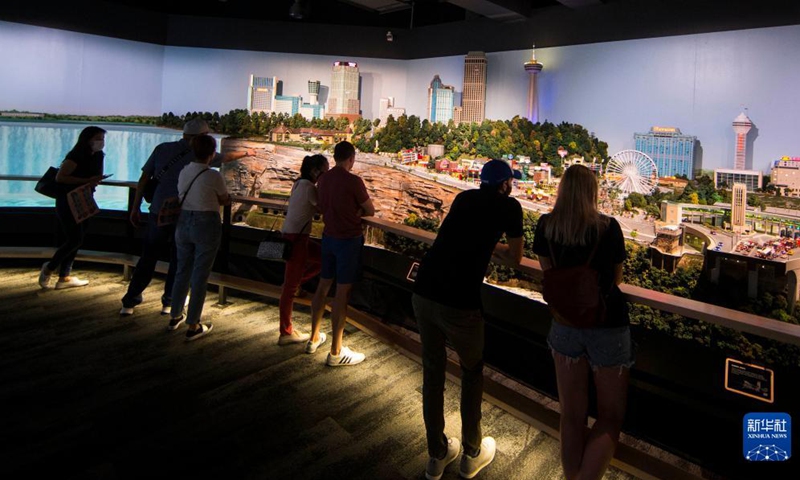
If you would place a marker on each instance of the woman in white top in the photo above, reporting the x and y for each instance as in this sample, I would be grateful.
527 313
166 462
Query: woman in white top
197 235
305 261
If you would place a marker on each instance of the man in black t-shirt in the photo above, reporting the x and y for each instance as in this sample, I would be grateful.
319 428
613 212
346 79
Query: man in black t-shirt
447 305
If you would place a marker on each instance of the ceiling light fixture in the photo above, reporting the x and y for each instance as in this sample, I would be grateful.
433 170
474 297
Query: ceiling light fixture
389 36
296 11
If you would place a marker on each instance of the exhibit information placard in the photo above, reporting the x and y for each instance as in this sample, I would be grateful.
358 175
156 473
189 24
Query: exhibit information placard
749 380
412 272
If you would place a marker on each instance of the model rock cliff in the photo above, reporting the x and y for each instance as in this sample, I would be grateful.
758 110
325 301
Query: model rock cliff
396 194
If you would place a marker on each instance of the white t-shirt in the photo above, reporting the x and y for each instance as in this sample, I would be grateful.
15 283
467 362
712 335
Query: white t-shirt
302 207
203 195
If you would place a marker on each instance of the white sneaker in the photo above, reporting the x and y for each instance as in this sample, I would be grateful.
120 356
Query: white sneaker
71 283
294 337
311 347
167 309
125 312
44 276
470 466
436 466
205 329
346 357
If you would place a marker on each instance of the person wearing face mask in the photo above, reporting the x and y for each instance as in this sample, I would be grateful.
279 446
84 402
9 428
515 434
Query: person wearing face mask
165 163
82 165
306 260
447 306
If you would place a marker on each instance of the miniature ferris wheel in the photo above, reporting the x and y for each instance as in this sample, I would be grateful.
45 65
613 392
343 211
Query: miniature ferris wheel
632 171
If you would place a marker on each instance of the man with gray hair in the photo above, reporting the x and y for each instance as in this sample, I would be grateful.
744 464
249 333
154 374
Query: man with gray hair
162 169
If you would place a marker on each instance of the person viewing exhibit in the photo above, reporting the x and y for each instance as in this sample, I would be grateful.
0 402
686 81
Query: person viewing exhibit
82 167
671 107
343 200
159 181
447 306
201 191
306 256
587 334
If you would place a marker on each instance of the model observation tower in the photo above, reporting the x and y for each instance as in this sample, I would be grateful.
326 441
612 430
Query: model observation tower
533 68
741 126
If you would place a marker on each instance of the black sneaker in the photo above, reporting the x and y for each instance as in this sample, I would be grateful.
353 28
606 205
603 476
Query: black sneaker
194 334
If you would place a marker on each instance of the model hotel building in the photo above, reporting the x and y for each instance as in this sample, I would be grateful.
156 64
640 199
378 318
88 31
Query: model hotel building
672 151
785 175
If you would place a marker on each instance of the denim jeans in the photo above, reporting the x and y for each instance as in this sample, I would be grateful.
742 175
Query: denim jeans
464 329
75 233
155 242
197 238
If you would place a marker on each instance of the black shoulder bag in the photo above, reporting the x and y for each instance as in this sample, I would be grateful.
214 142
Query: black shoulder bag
153 181
47 185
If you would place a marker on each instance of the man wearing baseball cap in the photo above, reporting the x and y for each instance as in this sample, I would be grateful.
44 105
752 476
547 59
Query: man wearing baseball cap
447 305
163 168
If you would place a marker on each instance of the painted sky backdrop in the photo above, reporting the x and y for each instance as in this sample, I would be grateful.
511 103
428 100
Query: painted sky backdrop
697 83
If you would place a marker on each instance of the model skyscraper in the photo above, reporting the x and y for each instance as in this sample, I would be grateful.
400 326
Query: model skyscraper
261 94
387 108
474 100
344 89
533 68
313 92
440 101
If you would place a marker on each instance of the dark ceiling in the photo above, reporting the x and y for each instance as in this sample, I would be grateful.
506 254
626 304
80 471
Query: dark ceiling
420 28
367 13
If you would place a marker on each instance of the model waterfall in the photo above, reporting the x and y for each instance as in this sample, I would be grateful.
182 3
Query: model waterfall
29 149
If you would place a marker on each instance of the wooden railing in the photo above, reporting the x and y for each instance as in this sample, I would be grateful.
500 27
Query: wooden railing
725 317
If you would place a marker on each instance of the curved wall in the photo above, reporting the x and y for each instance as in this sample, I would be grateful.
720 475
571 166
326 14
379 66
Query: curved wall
55 71
697 83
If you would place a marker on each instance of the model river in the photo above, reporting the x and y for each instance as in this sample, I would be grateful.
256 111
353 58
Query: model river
28 148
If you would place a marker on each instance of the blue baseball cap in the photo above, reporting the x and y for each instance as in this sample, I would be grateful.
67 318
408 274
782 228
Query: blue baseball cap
495 172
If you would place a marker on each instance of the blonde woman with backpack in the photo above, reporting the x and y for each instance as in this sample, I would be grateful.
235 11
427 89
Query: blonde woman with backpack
581 252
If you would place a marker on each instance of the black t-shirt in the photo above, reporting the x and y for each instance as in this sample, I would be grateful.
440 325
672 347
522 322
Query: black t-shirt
86 166
610 252
452 271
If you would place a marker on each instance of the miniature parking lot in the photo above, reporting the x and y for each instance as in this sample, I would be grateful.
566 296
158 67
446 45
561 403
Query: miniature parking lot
767 247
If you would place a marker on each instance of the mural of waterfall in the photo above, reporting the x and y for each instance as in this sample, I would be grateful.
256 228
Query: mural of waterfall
30 148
